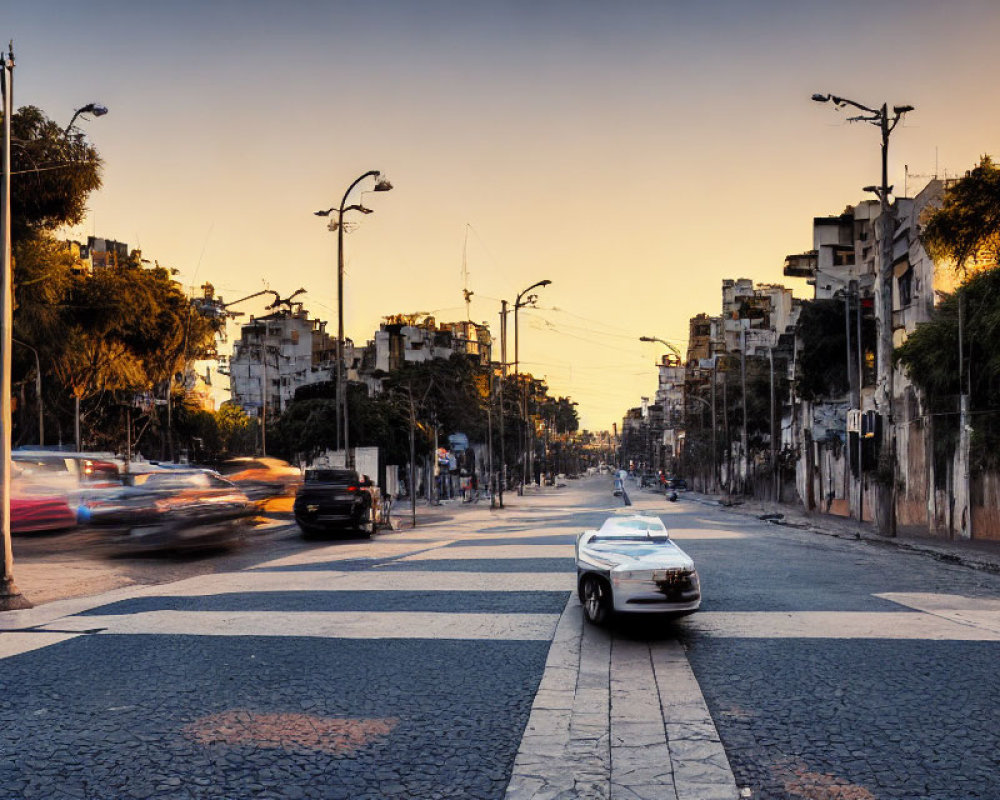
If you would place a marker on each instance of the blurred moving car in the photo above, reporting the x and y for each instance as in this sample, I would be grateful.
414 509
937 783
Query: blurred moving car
262 477
336 498
631 565
45 486
36 513
175 509
65 470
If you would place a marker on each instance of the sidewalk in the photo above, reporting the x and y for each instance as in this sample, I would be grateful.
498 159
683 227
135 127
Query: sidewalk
617 718
976 553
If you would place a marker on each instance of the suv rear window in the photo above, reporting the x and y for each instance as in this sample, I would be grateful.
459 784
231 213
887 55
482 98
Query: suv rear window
331 476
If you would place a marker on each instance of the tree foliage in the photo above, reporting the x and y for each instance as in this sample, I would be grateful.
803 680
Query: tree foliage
966 228
821 368
53 173
930 357
450 395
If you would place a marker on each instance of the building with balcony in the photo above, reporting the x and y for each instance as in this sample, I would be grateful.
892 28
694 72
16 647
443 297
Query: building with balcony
278 353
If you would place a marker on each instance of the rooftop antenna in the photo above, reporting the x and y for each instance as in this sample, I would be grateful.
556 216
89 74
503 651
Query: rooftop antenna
465 275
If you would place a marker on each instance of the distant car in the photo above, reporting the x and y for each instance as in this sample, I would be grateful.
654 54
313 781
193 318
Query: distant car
676 485
331 499
262 477
619 487
631 565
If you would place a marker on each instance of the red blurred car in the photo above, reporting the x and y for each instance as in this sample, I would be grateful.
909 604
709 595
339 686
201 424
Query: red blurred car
31 514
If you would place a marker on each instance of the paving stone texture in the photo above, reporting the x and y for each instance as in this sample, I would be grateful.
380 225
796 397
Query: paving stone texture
452 661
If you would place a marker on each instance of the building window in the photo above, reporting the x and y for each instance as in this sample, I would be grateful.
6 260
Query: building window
905 284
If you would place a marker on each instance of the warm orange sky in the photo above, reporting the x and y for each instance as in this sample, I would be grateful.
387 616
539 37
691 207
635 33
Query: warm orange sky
635 154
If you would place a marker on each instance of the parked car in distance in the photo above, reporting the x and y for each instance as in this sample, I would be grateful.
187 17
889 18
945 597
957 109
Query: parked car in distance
676 485
648 478
331 499
631 565
262 477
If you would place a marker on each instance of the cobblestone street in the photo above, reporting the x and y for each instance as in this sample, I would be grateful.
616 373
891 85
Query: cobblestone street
453 661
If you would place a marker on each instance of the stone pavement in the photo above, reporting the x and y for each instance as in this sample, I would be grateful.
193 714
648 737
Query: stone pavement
614 717
618 719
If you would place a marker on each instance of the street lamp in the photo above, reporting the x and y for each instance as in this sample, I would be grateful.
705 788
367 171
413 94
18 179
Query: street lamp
91 108
528 300
381 185
674 351
886 123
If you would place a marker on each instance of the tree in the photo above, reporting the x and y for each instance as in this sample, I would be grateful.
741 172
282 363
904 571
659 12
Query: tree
957 352
53 173
966 228
928 356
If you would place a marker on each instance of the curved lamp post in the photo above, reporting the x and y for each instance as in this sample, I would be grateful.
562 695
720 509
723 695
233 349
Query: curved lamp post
91 108
886 123
524 299
97 110
381 185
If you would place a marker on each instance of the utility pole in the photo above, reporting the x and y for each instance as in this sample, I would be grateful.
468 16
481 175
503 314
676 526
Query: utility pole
503 379
774 431
10 597
744 439
715 449
413 459
885 498
861 380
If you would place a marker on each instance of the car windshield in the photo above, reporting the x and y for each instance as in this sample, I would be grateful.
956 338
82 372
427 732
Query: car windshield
630 538
633 525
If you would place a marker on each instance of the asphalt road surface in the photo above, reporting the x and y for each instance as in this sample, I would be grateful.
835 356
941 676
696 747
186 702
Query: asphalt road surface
406 666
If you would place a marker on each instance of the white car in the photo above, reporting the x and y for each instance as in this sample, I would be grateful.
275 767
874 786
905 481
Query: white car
631 565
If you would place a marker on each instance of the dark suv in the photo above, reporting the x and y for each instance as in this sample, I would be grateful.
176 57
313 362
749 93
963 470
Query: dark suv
336 498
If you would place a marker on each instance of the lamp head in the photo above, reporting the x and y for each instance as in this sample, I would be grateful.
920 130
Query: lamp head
324 213
382 184
821 98
901 109
93 108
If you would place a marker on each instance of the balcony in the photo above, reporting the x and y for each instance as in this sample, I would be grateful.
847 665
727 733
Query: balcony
801 265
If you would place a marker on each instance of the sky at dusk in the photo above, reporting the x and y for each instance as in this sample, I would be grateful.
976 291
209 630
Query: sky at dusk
635 153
